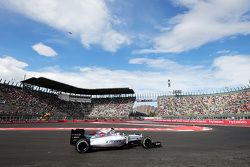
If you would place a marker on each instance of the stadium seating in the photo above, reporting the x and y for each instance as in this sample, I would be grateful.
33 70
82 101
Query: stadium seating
223 104
112 107
26 103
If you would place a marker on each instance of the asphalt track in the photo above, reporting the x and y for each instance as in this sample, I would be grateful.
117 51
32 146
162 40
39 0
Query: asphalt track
222 146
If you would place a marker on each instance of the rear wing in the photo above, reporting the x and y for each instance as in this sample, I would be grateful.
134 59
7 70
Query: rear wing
76 134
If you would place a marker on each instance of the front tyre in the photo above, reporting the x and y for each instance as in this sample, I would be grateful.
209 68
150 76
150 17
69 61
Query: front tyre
146 142
82 146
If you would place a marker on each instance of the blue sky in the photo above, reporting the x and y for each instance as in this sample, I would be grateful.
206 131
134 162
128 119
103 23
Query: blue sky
197 44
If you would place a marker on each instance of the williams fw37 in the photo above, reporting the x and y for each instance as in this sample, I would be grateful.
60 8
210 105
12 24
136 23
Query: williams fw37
108 139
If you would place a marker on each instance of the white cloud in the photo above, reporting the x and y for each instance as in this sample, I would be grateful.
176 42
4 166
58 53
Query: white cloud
112 40
165 65
11 68
44 50
89 20
232 68
204 21
156 63
226 71
226 51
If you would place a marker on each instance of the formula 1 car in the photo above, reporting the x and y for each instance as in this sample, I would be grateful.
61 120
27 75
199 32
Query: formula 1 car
108 139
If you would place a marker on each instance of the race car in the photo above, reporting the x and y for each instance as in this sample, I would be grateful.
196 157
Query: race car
108 138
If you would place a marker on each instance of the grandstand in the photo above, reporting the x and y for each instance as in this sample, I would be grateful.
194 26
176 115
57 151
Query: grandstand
45 99
234 104
147 110
42 98
119 107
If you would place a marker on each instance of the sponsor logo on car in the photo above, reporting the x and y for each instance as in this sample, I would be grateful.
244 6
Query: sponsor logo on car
114 141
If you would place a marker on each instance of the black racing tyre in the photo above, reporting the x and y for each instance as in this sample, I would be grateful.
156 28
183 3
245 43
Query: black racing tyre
146 142
82 146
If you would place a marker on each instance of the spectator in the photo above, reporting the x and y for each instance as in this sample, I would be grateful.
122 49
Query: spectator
205 105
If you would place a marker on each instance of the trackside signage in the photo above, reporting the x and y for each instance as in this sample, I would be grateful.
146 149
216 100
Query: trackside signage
221 122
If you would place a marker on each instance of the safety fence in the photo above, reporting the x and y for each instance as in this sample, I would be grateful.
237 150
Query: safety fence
179 121
206 122
60 121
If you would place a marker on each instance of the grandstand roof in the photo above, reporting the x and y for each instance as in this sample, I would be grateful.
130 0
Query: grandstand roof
54 85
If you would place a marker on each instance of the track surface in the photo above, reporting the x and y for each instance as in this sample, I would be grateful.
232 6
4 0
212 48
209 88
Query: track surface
223 146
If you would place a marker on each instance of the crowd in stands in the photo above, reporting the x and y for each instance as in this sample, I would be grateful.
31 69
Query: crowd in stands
22 101
26 102
112 107
147 110
19 101
205 105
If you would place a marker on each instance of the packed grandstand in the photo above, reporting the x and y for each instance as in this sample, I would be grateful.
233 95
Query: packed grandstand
42 98
234 104
29 101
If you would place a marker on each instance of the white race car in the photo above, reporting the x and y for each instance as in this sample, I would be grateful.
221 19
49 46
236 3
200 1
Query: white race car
108 139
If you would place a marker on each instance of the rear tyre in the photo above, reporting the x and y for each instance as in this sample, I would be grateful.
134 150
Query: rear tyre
146 142
82 146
